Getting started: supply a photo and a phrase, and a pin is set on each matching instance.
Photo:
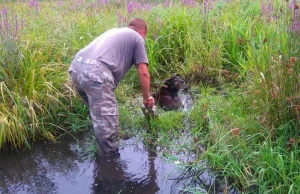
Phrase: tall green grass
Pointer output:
(242, 56)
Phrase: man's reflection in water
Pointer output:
(110, 176)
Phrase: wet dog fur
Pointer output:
(167, 97)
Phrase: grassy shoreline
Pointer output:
(241, 56)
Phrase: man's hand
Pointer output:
(149, 102)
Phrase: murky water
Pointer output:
(61, 168)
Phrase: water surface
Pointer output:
(64, 167)
(61, 168)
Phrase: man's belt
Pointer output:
(86, 61)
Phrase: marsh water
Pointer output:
(62, 167)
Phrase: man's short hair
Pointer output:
(138, 24)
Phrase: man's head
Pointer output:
(139, 25)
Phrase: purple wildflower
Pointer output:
(31, 3)
(4, 11)
(167, 3)
(35, 4)
(296, 21)
(137, 6)
(9, 25)
(188, 2)
(207, 5)
(211, 5)
(292, 4)
(147, 7)
(130, 7)
(37, 7)
(60, 3)
(267, 10)
(205, 9)
(5, 20)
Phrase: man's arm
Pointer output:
(144, 76)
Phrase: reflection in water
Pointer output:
(111, 175)
(34, 171)
(60, 168)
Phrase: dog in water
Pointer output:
(167, 96)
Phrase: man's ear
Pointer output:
(142, 33)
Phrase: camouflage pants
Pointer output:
(95, 84)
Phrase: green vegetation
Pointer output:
(241, 56)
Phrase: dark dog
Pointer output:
(167, 96)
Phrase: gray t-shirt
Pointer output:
(119, 48)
